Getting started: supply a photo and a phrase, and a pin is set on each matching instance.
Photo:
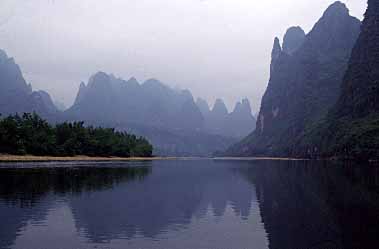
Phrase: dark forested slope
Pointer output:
(351, 128)
(305, 82)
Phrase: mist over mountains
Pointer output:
(16, 96)
(170, 118)
(321, 99)
(219, 121)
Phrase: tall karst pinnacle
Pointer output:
(293, 39)
(351, 128)
(305, 82)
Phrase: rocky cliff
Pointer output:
(304, 83)
(351, 128)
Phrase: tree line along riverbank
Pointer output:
(29, 134)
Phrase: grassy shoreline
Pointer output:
(31, 158)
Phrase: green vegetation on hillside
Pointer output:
(30, 134)
(341, 138)
(351, 128)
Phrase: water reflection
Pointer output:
(171, 196)
(191, 204)
(317, 204)
(24, 186)
(28, 194)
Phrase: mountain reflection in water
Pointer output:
(190, 204)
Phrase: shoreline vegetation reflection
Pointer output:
(171, 204)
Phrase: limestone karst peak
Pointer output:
(219, 108)
(275, 54)
(293, 39)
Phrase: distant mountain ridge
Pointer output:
(304, 83)
(16, 96)
(109, 99)
(238, 123)
(170, 119)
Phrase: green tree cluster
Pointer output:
(30, 134)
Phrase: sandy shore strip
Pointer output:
(30, 158)
(259, 159)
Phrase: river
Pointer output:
(210, 204)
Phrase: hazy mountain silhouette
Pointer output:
(16, 96)
(304, 82)
(169, 118)
(109, 99)
(237, 124)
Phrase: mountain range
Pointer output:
(305, 81)
(169, 118)
(322, 99)
(219, 121)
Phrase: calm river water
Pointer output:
(189, 204)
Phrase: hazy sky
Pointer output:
(215, 48)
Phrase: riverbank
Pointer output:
(30, 158)
(260, 159)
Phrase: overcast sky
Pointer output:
(215, 48)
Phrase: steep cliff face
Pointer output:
(16, 96)
(275, 54)
(352, 127)
(303, 84)
(360, 88)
